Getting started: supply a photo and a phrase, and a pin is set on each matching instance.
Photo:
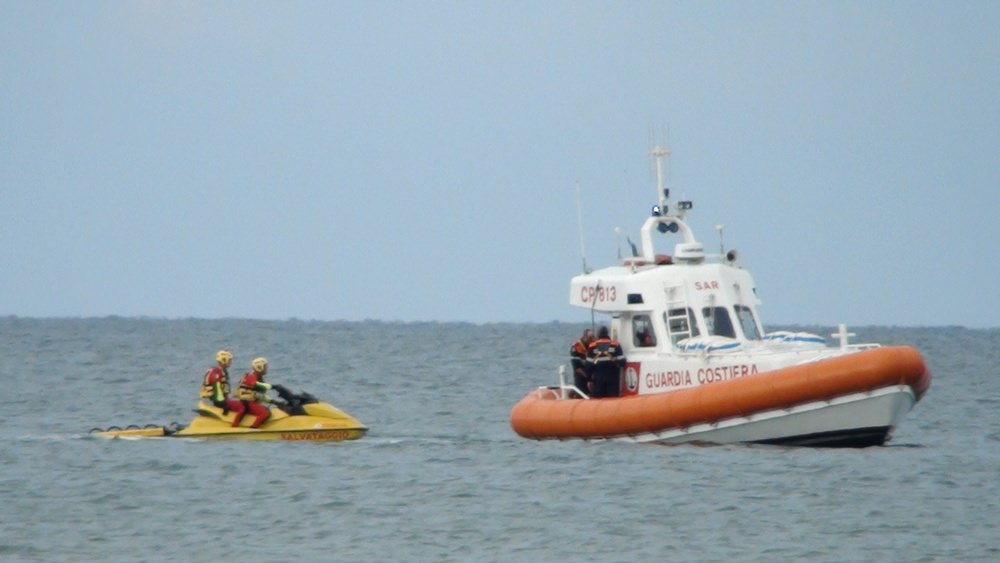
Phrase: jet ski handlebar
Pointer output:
(291, 398)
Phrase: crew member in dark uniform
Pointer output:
(605, 360)
(578, 359)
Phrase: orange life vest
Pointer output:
(252, 389)
(215, 375)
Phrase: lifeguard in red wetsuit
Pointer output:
(253, 392)
(215, 384)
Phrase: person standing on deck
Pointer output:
(605, 360)
(578, 359)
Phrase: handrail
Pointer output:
(560, 391)
(564, 389)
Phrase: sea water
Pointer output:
(441, 476)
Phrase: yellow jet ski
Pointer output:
(298, 416)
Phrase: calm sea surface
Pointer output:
(441, 476)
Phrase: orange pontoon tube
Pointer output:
(543, 414)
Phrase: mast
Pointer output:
(579, 227)
(661, 154)
(665, 220)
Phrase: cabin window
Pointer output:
(747, 322)
(681, 324)
(643, 335)
(717, 321)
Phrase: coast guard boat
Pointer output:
(701, 368)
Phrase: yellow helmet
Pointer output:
(259, 365)
(224, 357)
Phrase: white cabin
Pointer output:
(657, 301)
(688, 318)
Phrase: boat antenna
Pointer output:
(579, 226)
(593, 303)
(661, 153)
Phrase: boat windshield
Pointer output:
(747, 322)
(717, 321)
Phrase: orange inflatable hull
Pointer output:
(542, 414)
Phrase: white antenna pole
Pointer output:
(659, 153)
(579, 226)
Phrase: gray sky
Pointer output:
(419, 160)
